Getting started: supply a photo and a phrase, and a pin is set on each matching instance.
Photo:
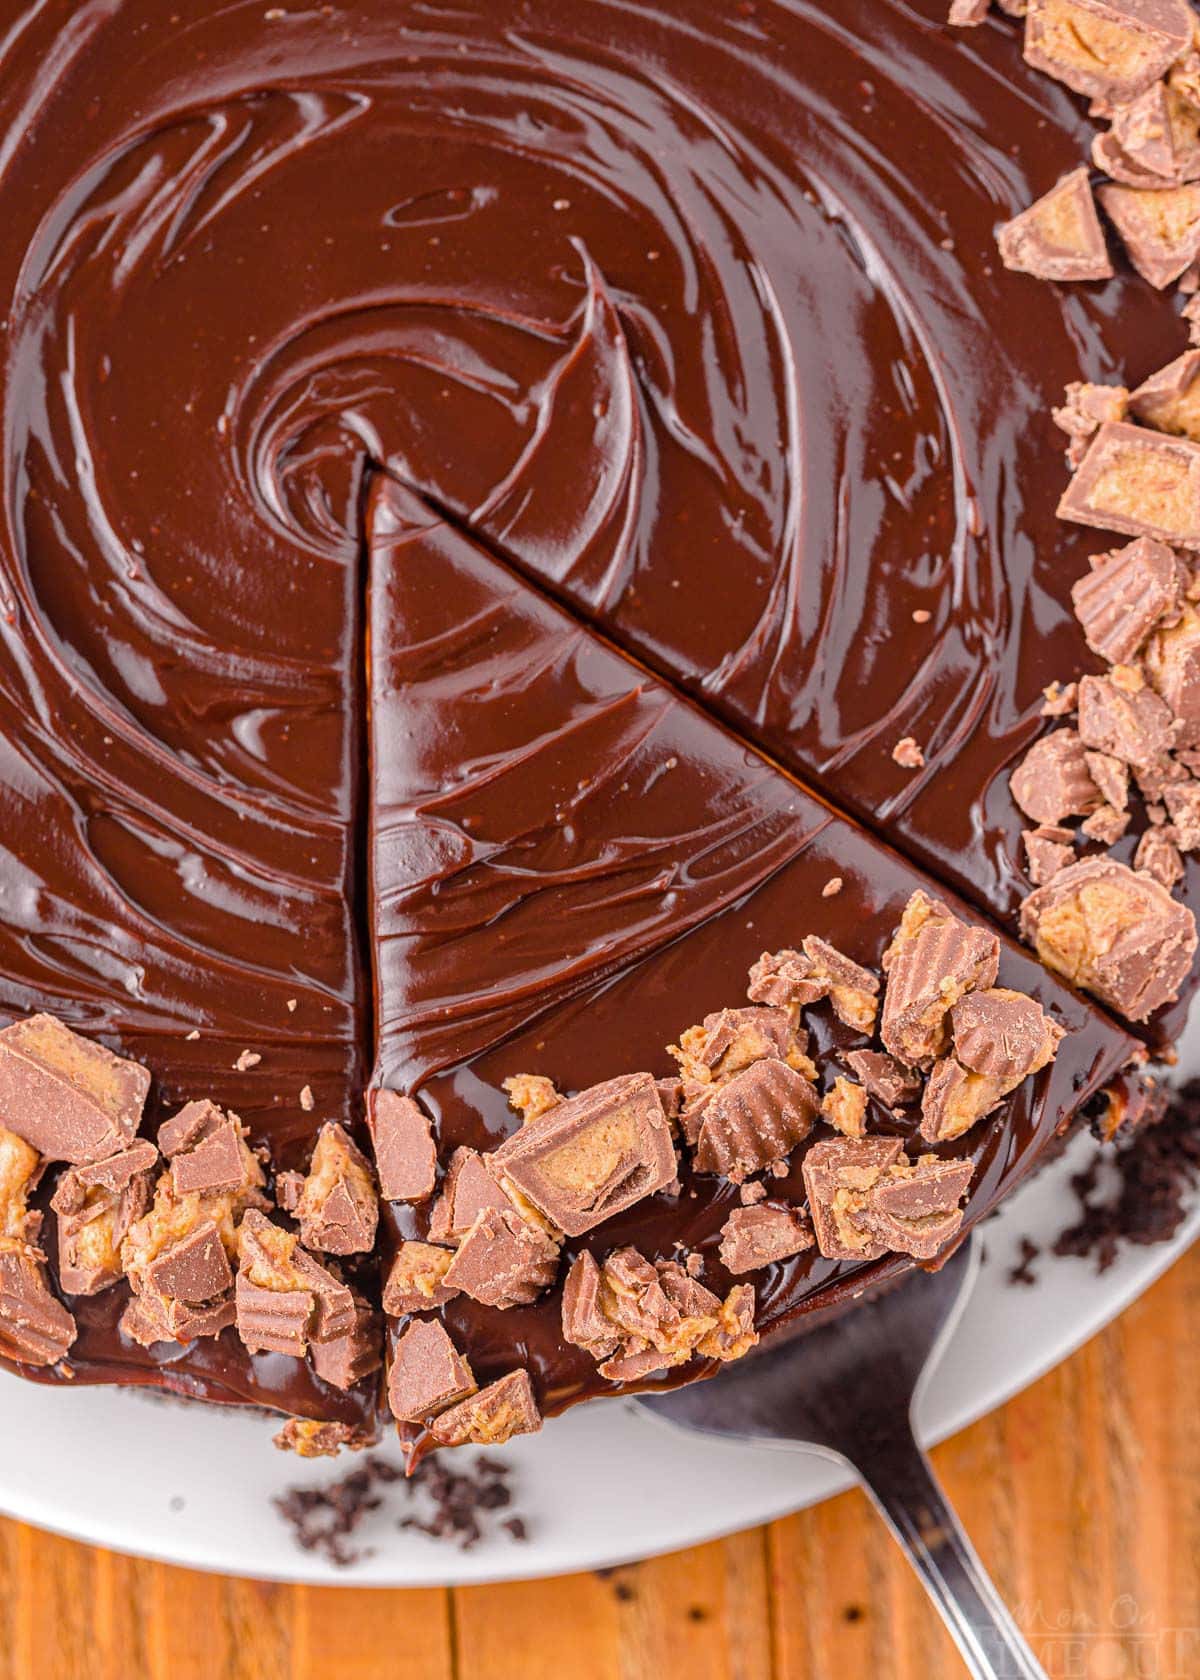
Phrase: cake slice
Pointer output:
(572, 866)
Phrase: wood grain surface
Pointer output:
(1083, 1496)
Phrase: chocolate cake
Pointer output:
(570, 799)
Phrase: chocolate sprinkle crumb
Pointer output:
(324, 1518)
(1023, 1272)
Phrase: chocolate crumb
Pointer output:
(455, 1504)
(908, 754)
(1154, 1169)
(1022, 1272)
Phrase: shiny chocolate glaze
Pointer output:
(686, 312)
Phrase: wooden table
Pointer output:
(1083, 1496)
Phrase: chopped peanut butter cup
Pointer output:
(1110, 49)
(73, 1100)
(1059, 237)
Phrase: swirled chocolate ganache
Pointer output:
(530, 559)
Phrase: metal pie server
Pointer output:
(847, 1389)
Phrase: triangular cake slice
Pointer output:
(572, 865)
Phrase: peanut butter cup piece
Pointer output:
(1053, 781)
(1111, 50)
(584, 1321)
(416, 1279)
(1106, 825)
(336, 1205)
(498, 1412)
(592, 1155)
(755, 1120)
(405, 1153)
(1159, 227)
(1003, 1034)
(837, 1175)
(639, 1316)
(1116, 933)
(503, 1261)
(1183, 803)
(918, 1213)
(284, 1298)
(71, 1099)
(1159, 856)
(311, 1438)
(469, 1188)
(1048, 849)
(1085, 410)
(1170, 399)
(150, 1318)
(1138, 482)
(427, 1373)
(885, 1079)
(352, 1356)
(1154, 140)
(753, 1237)
(933, 959)
(35, 1327)
(96, 1205)
(196, 1268)
(1172, 665)
(794, 979)
(1059, 236)
(1125, 595)
(207, 1149)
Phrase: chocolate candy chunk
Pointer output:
(1110, 49)
(1159, 227)
(405, 1154)
(1053, 781)
(336, 1205)
(1139, 482)
(837, 1175)
(1125, 595)
(593, 1155)
(755, 1120)
(415, 1279)
(35, 1327)
(1059, 237)
(348, 1358)
(427, 1373)
(584, 1321)
(1170, 399)
(196, 1268)
(1131, 723)
(885, 1079)
(96, 1205)
(1172, 665)
(1003, 1034)
(1106, 825)
(918, 1212)
(469, 1189)
(150, 1318)
(1183, 802)
(1158, 855)
(753, 1237)
(309, 1438)
(531, 1094)
(640, 1316)
(491, 1417)
(844, 1106)
(820, 970)
(71, 1099)
(1117, 934)
(1000, 1037)
(208, 1152)
(1047, 850)
(1111, 776)
(934, 957)
(503, 1261)
(1154, 140)
(284, 1298)
(1086, 409)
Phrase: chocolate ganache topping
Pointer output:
(486, 488)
